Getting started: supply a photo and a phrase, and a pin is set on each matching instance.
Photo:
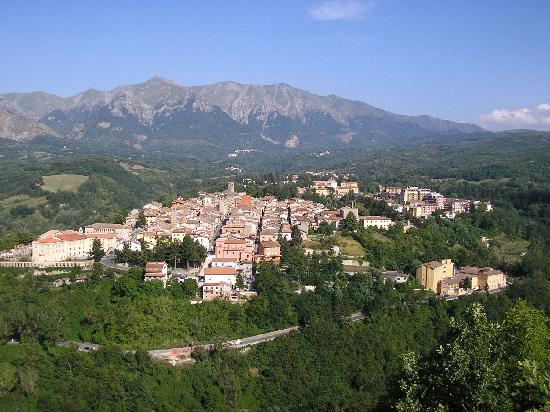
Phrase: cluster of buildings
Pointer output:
(423, 202)
(441, 277)
(332, 187)
(336, 218)
(235, 228)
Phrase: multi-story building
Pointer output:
(219, 290)
(220, 274)
(157, 271)
(240, 249)
(269, 235)
(345, 211)
(430, 274)
(60, 245)
(484, 278)
(412, 194)
(441, 278)
(460, 206)
(379, 222)
(345, 187)
(121, 231)
(269, 252)
(68, 245)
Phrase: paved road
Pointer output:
(108, 262)
(264, 337)
(183, 354)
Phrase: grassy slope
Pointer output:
(63, 182)
(350, 247)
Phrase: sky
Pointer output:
(486, 62)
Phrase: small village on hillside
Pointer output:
(235, 231)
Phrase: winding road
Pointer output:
(183, 355)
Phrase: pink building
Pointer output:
(238, 249)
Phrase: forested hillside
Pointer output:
(38, 194)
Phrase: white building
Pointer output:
(133, 244)
(121, 231)
(67, 245)
(380, 222)
(220, 274)
(224, 263)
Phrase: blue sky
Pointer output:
(487, 62)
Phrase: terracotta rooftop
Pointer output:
(154, 267)
(55, 236)
(107, 226)
(220, 271)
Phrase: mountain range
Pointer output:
(159, 114)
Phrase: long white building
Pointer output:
(65, 245)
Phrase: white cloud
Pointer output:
(339, 10)
(538, 117)
(520, 116)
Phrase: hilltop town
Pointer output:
(231, 231)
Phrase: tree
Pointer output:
(484, 365)
(190, 288)
(362, 289)
(410, 385)
(527, 351)
(75, 271)
(325, 228)
(21, 211)
(240, 282)
(141, 221)
(97, 252)
(8, 377)
(123, 256)
(467, 283)
(350, 223)
(296, 236)
(97, 272)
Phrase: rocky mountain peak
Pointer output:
(227, 113)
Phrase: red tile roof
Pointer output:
(220, 271)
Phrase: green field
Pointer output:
(510, 250)
(502, 180)
(132, 168)
(350, 247)
(63, 182)
(312, 244)
(17, 200)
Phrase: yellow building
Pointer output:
(484, 278)
(430, 274)
(322, 191)
(345, 187)
(411, 194)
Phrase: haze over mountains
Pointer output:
(160, 114)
